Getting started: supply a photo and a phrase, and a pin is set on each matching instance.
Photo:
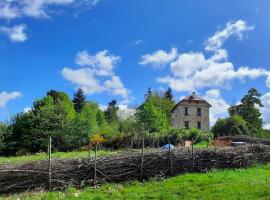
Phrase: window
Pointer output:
(186, 111)
(199, 112)
(199, 125)
(187, 124)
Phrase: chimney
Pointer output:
(193, 94)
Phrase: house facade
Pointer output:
(191, 112)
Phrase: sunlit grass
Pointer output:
(43, 156)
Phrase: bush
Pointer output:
(234, 125)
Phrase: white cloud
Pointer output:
(219, 105)
(15, 33)
(5, 97)
(83, 78)
(116, 87)
(96, 74)
(266, 110)
(125, 112)
(187, 63)
(27, 109)
(236, 28)
(194, 70)
(11, 9)
(102, 63)
(159, 58)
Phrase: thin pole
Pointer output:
(95, 173)
(192, 151)
(89, 149)
(141, 170)
(50, 162)
(171, 163)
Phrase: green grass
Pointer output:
(252, 183)
(43, 156)
(202, 144)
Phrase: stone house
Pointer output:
(191, 112)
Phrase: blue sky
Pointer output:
(116, 49)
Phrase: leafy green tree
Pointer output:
(248, 110)
(79, 100)
(3, 135)
(151, 118)
(101, 121)
(234, 125)
(164, 104)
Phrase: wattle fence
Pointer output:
(62, 173)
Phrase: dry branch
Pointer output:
(126, 167)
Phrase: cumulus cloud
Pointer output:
(159, 58)
(125, 112)
(102, 63)
(84, 78)
(194, 70)
(236, 28)
(219, 105)
(11, 9)
(116, 87)
(5, 97)
(266, 110)
(96, 74)
(15, 33)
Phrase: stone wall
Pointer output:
(179, 117)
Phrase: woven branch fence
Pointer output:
(126, 167)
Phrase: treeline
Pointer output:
(71, 123)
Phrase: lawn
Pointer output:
(43, 156)
(252, 183)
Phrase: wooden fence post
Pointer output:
(171, 161)
(50, 163)
(141, 170)
(95, 172)
(89, 149)
(192, 151)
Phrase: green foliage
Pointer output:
(54, 116)
(234, 125)
(150, 117)
(3, 136)
(248, 110)
(79, 100)
(111, 113)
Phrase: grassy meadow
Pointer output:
(56, 155)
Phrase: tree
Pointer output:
(79, 100)
(248, 110)
(164, 104)
(3, 135)
(151, 118)
(111, 113)
(234, 125)
(168, 94)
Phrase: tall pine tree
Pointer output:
(79, 100)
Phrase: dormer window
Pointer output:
(186, 111)
(199, 112)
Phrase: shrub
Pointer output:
(234, 125)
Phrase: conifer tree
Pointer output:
(79, 100)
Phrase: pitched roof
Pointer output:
(192, 98)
